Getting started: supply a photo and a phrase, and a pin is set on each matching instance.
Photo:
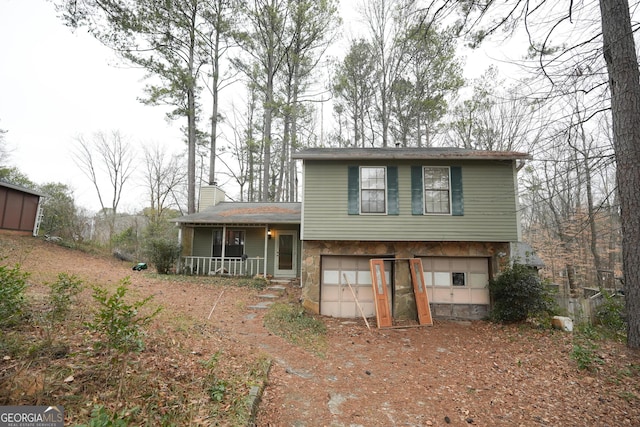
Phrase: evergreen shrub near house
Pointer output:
(160, 246)
(162, 253)
(517, 294)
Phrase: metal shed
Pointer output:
(20, 208)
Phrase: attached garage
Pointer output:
(336, 299)
(457, 286)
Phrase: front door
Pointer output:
(286, 253)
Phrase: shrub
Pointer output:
(162, 253)
(611, 313)
(120, 322)
(518, 293)
(62, 293)
(13, 283)
(102, 417)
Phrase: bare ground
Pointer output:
(454, 373)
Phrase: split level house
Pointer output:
(454, 209)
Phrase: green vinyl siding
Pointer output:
(487, 188)
(202, 242)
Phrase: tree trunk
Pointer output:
(624, 83)
(191, 121)
(215, 59)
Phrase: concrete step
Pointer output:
(268, 296)
(277, 288)
(261, 305)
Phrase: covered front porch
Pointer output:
(241, 239)
(240, 250)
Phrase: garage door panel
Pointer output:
(459, 264)
(364, 278)
(331, 277)
(365, 293)
(479, 296)
(442, 278)
(337, 300)
(478, 280)
(478, 265)
(441, 295)
(368, 309)
(440, 287)
(331, 293)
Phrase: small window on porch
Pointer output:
(234, 243)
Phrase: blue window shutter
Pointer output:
(417, 191)
(457, 202)
(392, 190)
(354, 190)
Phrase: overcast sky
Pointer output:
(56, 85)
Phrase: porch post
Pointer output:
(266, 242)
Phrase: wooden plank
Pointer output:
(420, 292)
(380, 293)
(356, 299)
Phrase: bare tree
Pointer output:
(610, 38)
(107, 160)
(165, 178)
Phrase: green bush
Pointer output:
(162, 253)
(611, 313)
(102, 417)
(62, 293)
(13, 283)
(119, 321)
(517, 294)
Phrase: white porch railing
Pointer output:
(219, 266)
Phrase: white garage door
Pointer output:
(457, 280)
(336, 299)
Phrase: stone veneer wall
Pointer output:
(404, 303)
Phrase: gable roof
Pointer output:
(245, 213)
(21, 189)
(406, 154)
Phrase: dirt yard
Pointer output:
(454, 373)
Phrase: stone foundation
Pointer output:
(404, 302)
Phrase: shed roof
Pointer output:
(245, 213)
(401, 153)
(21, 189)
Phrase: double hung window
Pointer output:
(373, 190)
(437, 190)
